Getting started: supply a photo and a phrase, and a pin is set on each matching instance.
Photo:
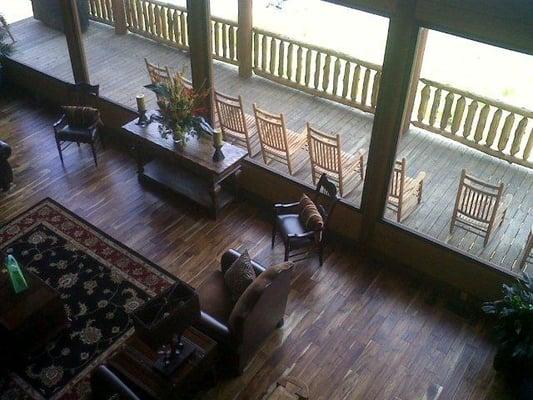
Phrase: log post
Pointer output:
(119, 14)
(400, 52)
(71, 22)
(244, 43)
(200, 50)
(415, 77)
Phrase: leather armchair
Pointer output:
(105, 384)
(241, 329)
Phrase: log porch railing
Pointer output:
(493, 127)
(485, 124)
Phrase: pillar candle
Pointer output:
(218, 138)
(141, 107)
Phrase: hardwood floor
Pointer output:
(354, 329)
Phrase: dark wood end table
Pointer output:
(187, 170)
(30, 319)
(134, 362)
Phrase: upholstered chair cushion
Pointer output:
(309, 214)
(215, 297)
(81, 117)
(251, 295)
(239, 276)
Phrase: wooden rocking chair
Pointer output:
(158, 74)
(234, 123)
(277, 143)
(479, 208)
(527, 256)
(5, 26)
(327, 157)
(405, 193)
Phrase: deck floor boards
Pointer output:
(116, 62)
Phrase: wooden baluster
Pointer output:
(157, 20)
(375, 89)
(104, 9)
(177, 29)
(290, 61)
(216, 34)
(165, 12)
(308, 60)
(256, 49)
(336, 73)
(264, 45)
(472, 109)
(447, 113)
(273, 53)
(299, 64)
(109, 11)
(366, 83)
(232, 43)
(326, 73)
(183, 29)
(346, 79)
(281, 59)
(506, 132)
(481, 123)
(224, 41)
(355, 82)
(170, 25)
(91, 7)
(518, 136)
(493, 129)
(435, 107)
(318, 69)
(424, 99)
(133, 14)
(140, 14)
(146, 20)
(458, 114)
(529, 146)
(98, 9)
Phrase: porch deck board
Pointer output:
(116, 62)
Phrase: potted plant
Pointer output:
(180, 110)
(514, 330)
(5, 48)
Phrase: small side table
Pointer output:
(133, 363)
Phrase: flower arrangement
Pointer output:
(180, 108)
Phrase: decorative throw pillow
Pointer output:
(239, 276)
(81, 117)
(309, 214)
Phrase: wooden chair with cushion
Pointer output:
(79, 123)
(527, 255)
(327, 157)
(236, 126)
(240, 328)
(479, 207)
(277, 143)
(405, 193)
(298, 232)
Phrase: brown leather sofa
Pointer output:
(241, 328)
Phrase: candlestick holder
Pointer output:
(143, 119)
(218, 155)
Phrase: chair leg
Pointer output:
(273, 235)
(60, 152)
(321, 255)
(94, 154)
(287, 250)
(280, 323)
(420, 187)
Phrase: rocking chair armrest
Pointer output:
(301, 235)
(421, 176)
(60, 123)
(285, 206)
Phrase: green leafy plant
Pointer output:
(180, 108)
(5, 48)
(514, 329)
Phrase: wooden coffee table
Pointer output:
(133, 363)
(28, 320)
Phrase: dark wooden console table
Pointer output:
(188, 170)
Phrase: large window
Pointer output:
(463, 173)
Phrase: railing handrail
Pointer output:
(484, 99)
(320, 49)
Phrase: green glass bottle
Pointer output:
(15, 274)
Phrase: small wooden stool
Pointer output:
(289, 388)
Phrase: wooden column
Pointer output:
(198, 20)
(398, 63)
(245, 38)
(415, 76)
(119, 14)
(71, 22)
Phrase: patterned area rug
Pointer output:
(100, 282)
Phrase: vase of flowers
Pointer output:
(180, 109)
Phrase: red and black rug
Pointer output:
(100, 282)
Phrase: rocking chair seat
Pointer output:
(76, 134)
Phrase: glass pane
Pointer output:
(464, 166)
